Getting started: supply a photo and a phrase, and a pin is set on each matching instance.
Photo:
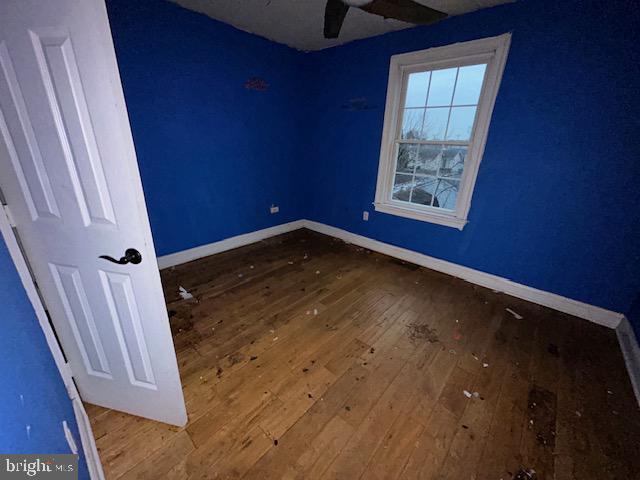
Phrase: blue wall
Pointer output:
(556, 200)
(213, 154)
(32, 392)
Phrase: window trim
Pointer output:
(493, 51)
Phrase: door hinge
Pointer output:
(67, 370)
(69, 382)
(7, 212)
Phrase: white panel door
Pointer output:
(69, 174)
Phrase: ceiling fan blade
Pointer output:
(334, 14)
(404, 10)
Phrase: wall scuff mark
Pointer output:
(256, 83)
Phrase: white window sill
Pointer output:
(419, 214)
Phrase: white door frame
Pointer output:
(84, 426)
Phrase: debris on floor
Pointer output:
(236, 358)
(467, 393)
(180, 322)
(525, 474)
(485, 365)
(184, 293)
(423, 332)
(516, 315)
(542, 404)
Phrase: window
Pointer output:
(439, 103)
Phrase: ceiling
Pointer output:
(299, 23)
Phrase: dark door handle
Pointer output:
(131, 255)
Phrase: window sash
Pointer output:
(444, 143)
(403, 99)
(453, 143)
(415, 174)
(490, 51)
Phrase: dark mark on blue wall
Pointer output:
(357, 104)
(256, 83)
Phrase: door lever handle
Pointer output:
(131, 255)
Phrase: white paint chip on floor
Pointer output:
(515, 314)
(184, 293)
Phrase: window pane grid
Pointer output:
(451, 113)
(435, 134)
(452, 143)
(428, 175)
(455, 83)
(443, 106)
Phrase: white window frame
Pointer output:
(492, 51)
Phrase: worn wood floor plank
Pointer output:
(302, 357)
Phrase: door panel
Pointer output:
(126, 320)
(78, 311)
(69, 173)
(15, 124)
(58, 68)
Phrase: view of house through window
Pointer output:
(438, 117)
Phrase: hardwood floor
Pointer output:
(304, 357)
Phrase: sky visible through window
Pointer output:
(437, 123)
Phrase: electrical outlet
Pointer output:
(365, 216)
(274, 209)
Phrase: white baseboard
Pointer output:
(631, 352)
(592, 313)
(595, 314)
(89, 448)
(185, 256)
